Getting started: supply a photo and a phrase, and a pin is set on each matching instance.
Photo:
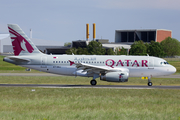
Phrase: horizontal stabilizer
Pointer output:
(16, 60)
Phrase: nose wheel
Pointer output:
(149, 81)
(93, 82)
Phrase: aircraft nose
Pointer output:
(172, 69)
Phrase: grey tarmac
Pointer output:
(49, 74)
(89, 86)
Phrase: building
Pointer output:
(79, 43)
(123, 38)
(146, 35)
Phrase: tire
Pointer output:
(149, 83)
(93, 82)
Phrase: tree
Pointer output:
(82, 51)
(123, 51)
(155, 49)
(138, 48)
(71, 51)
(117, 52)
(171, 46)
(95, 48)
(67, 44)
(110, 51)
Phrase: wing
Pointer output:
(92, 69)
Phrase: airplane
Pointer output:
(110, 68)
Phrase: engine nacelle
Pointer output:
(115, 77)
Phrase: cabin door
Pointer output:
(150, 63)
(43, 62)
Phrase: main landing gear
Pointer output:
(93, 82)
(149, 82)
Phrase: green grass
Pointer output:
(18, 103)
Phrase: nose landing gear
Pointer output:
(149, 81)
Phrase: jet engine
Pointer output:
(115, 77)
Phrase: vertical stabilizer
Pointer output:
(21, 44)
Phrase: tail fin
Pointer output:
(21, 44)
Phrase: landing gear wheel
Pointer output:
(149, 83)
(93, 82)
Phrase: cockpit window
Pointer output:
(164, 63)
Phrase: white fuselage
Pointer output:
(137, 66)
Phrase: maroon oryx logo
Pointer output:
(19, 43)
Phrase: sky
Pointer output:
(60, 21)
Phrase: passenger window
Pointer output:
(53, 61)
(64, 61)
